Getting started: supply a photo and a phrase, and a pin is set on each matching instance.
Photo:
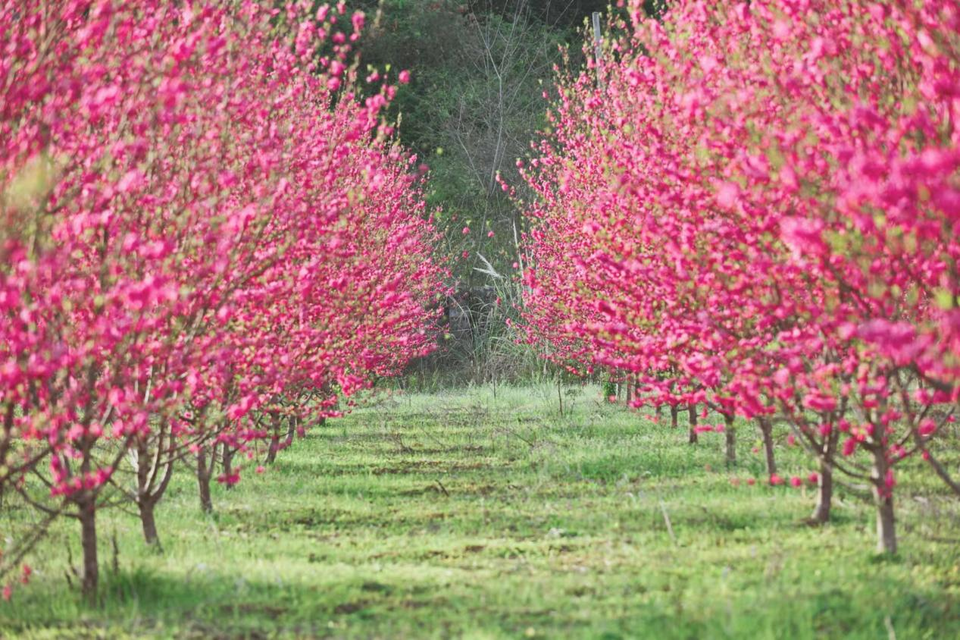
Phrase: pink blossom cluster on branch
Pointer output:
(204, 230)
(755, 206)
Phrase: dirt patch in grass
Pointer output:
(351, 607)
(254, 608)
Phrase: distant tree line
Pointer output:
(479, 70)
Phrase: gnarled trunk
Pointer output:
(228, 452)
(886, 526)
(149, 522)
(149, 491)
(204, 472)
(297, 429)
(274, 438)
(821, 513)
(692, 412)
(674, 416)
(274, 448)
(766, 433)
(730, 436)
(883, 499)
(88, 543)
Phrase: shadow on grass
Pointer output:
(143, 603)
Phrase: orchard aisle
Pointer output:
(461, 513)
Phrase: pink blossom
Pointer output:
(358, 20)
(849, 446)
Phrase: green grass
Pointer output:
(467, 515)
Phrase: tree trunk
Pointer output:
(766, 432)
(203, 481)
(274, 448)
(559, 396)
(886, 526)
(149, 522)
(88, 542)
(692, 412)
(145, 502)
(674, 414)
(821, 513)
(274, 438)
(228, 463)
(883, 498)
(730, 435)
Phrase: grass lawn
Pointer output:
(484, 515)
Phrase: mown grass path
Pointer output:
(482, 515)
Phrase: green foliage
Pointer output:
(474, 104)
(484, 513)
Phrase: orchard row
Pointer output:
(207, 236)
(753, 209)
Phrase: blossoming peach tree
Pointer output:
(202, 227)
(755, 205)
